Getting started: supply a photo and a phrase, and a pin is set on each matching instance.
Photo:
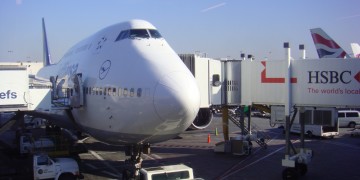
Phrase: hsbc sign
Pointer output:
(314, 82)
(332, 77)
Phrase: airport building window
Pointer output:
(114, 91)
(100, 91)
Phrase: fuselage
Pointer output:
(136, 89)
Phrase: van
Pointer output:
(348, 118)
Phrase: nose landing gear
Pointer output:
(133, 164)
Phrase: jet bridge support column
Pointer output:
(242, 120)
(297, 163)
(249, 119)
(225, 122)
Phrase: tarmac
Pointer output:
(334, 158)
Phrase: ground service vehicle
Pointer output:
(318, 121)
(27, 144)
(45, 167)
(348, 118)
(179, 171)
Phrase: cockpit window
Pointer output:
(123, 35)
(154, 33)
(138, 33)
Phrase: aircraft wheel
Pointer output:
(289, 174)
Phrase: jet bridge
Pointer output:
(295, 84)
(17, 93)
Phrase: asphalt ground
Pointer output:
(336, 158)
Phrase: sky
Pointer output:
(219, 28)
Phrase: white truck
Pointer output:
(28, 145)
(179, 171)
(45, 167)
(322, 122)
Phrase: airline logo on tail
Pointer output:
(355, 49)
(326, 47)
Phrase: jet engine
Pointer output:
(202, 120)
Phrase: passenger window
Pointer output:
(114, 91)
(132, 92)
(109, 92)
(42, 160)
(120, 91)
(352, 114)
(139, 91)
(125, 92)
(341, 115)
(100, 91)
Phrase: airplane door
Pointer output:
(76, 91)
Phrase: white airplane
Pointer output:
(126, 86)
(326, 47)
(355, 49)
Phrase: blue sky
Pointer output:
(220, 28)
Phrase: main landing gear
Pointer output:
(133, 164)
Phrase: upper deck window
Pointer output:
(138, 33)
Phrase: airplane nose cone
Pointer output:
(177, 98)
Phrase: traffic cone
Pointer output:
(216, 132)
(209, 138)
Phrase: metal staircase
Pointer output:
(262, 137)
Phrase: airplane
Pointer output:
(326, 47)
(125, 86)
(355, 49)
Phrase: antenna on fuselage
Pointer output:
(46, 52)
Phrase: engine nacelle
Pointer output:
(203, 119)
